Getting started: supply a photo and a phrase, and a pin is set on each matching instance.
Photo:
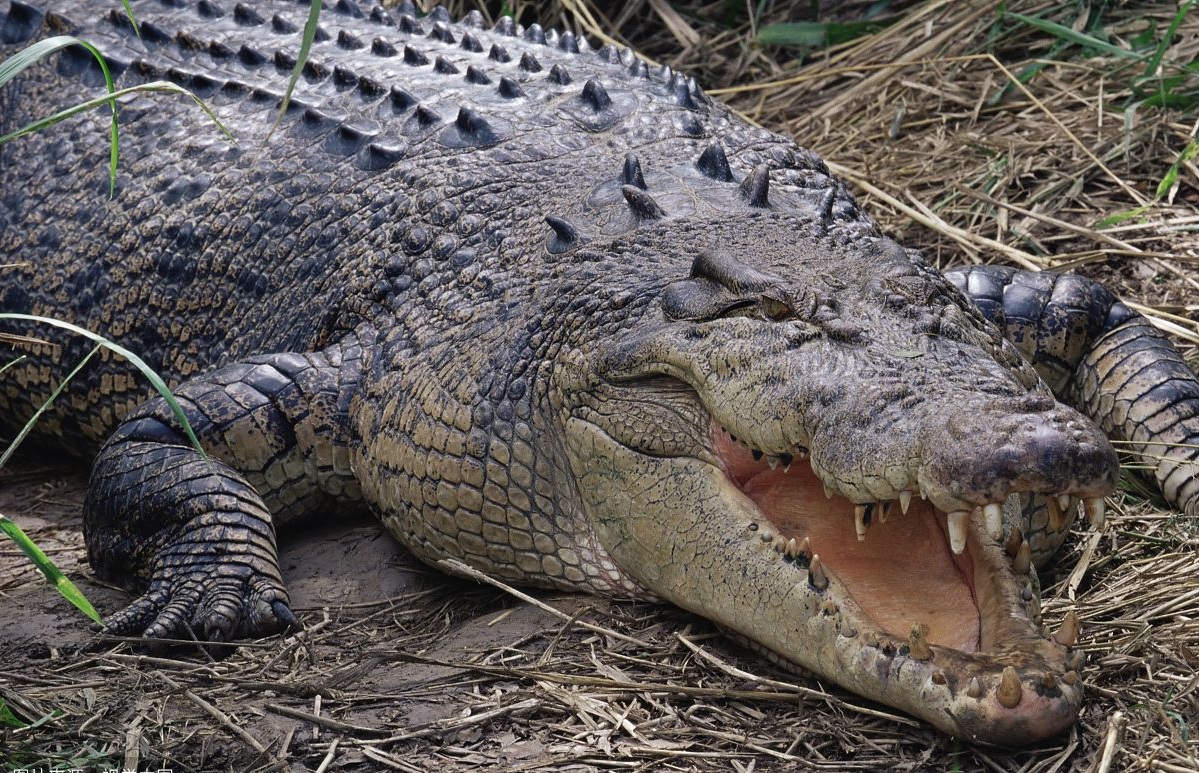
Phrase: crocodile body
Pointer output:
(553, 313)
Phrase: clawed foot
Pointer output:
(219, 603)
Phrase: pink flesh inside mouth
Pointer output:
(903, 573)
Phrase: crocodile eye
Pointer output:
(774, 307)
(738, 308)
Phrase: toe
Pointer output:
(283, 614)
(133, 619)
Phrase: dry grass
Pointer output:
(951, 155)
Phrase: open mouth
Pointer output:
(894, 558)
(952, 591)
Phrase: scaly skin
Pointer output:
(557, 315)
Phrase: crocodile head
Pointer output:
(812, 444)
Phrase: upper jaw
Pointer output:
(966, 456)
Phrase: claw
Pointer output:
(196, 606)
(284, 615)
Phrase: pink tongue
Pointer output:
(902, 574)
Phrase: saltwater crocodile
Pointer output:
(554, 313)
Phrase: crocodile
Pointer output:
(556, 315)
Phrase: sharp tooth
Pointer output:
(918, 648)
(1063, 501)
(757, 455)
(816, 575)
(1095, 511)
(792, 548)
(773, 461)
(805, 547)
(975, 690)
(859, 521)
(1067, 635)
(884, 511)
(905, 501)
(779, 544)
(959, 522)
(1023, 560)
(1057, 520)
(993, 514)
(1048, 680)
(1009, 692)
(1014, 538)
(786, 459)
(828, 492)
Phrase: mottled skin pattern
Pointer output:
(555, 314)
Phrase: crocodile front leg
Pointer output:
(196, 536)
(1105, 360)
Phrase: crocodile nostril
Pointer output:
(990, 454)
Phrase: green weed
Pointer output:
(9, 69)
(1151, 79)
(309, 34)
(8, 718)
(34, 53)
(814, 35)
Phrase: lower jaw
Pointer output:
(1010, 687)
(1014, 688)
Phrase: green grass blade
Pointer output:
(11, 363)
(1120, 217)
(47, 567)
(1156, 60)
(9, 68)
(7, 718)
(1029, 72)
(29, 425)
(52, 714)
(137, 362)
(129, 12)
(42, 123)
(34, 53)
(811, 34)
(314, 15)
(43, 48)
(1188, 154)
(1080, 38)
(804, 34)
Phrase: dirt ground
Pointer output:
(401, 668)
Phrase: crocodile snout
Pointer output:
(984, 455)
